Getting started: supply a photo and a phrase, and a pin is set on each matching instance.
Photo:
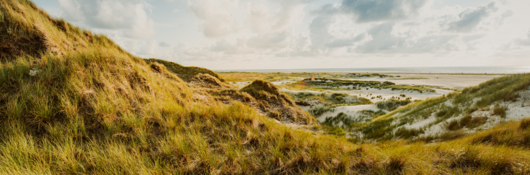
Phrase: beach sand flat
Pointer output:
(455, 81)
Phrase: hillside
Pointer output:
(474, 109)
(185, 73)
(73, 102)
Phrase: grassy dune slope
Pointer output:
(487, 99)
(81, 105)
(185, 73)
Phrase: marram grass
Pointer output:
(92, 108)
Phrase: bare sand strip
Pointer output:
(441, 80)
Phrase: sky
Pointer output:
(291, 34)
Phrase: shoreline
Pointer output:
(479, 70)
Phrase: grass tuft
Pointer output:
(525, 124)
(500, 110)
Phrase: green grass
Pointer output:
(327, 84)
(420, 89)
(99, 110)
(328, 100)
(319, 111)
(279, 76)
(185, 73)
(493, 92)
(393, 104)
(278, 105)
(500, 110)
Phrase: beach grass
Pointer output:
(491, 93)
(82, 105)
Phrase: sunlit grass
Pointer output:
(96, 109)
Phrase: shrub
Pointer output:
(500, 110)
(466, 159)
(452, 135)
(391, 105)
(333, 130)
(472, 109)
(396, 165)
(453, 125)
(405, 133)
(476, 122)
(464, 121)
(525, 124)
(318, 111)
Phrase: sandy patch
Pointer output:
(352, 111)
(387, 94)
(421, 123)
(441, 80)
(516, 111)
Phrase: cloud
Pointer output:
(129, 16)
(343, 42)
(330, 32)
(227, 47)
(471, 18)
(72, 9)
(524, 41)
(382, 10)
(270, 40)
(260, 20)
(384, 41)
(215, 14)
(163, 44)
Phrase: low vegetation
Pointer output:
(82, 105)
(325, 99)
(325, 83)
(185, 73)
(463, 104)
(347, 122)
(392, 104)
(318, 111)
(234, 76)
(277, 104)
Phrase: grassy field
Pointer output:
(72, 102)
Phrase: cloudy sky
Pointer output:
(286, 34)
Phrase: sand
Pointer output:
(442, 80)
(349, 110)
(516, 111)
(452, 81)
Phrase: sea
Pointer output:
(466, 70)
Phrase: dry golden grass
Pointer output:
(92, 108)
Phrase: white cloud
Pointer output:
(163, 44)
(129, 16)
(524, 41)
(471, 18)
(267, 32)
(260, 19)
(218, 21)
(72, 9)
(227, 47)
(382, 10)
(275, 40)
